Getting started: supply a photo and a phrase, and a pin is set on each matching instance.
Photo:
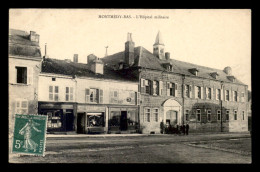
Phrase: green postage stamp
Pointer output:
(29, 134)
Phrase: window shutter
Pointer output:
(17, 106)
(190, 91)
(87, 98)
(137, 98)
(142, 82)
(100, 96)
(176, 90)
(207, 92)
(183, 90)
(168, 88)
(233, 95)
(211, 92)
(30, 76)
(222, 97)
(160, 87)
(237, 96)
(196, 92)
(202, 92)
(230, 97)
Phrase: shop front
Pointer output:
(91, 119)
(60, 116)
(123, 120)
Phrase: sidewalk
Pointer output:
(142, 135)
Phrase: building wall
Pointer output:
(22, 91)
(45, 80)
(191, 104)
(106, 86)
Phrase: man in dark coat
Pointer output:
(183, 129)
(187, 129)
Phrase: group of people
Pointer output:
(183, 129)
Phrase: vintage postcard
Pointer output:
(129, 85)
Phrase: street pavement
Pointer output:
(135, 148)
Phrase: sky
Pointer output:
(214, 38)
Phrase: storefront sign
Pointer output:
(91, 108)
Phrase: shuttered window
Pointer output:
(21, 106)
(69, 94)
(218, 115)
(54, 93)
(94, 95)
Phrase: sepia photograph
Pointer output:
(129, 86)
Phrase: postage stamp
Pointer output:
(29, 134)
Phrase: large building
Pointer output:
(175, 92)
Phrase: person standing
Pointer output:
(187, 129)
(183, 129)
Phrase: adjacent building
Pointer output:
(87, 98)
(24, 68)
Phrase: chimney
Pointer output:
(34, 37)
(97, 66)
(167, 56)
(129, 50)
(45, 54)
(75, 58)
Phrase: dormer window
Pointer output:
(168, 66)
(194, 71)
(214, 75)
(231, 78)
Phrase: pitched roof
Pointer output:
(20, 44)
(145, 59)
(70, 68)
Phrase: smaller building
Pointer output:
(87, 98)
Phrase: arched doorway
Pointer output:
(172, 112)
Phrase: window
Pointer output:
(147, 86)
(209, 115)
(242, 97)
(208, 93)
(171, 89)
(93, 95)
(235, 96)
(187, 115)
(219, 115)
(243, 115)
(187, 90)
(21, 107)
(155, 87)
(21, 75)
(54, 93)
(198, 114)
(198, 92)
(227, 115)
(69, 93)
(235, 115)
(227, 95)
(53, 79)
(95, 120)
(155, 114)
(147, 115)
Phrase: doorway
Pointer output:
(81, 123)
(123, 121)
(69, 121)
